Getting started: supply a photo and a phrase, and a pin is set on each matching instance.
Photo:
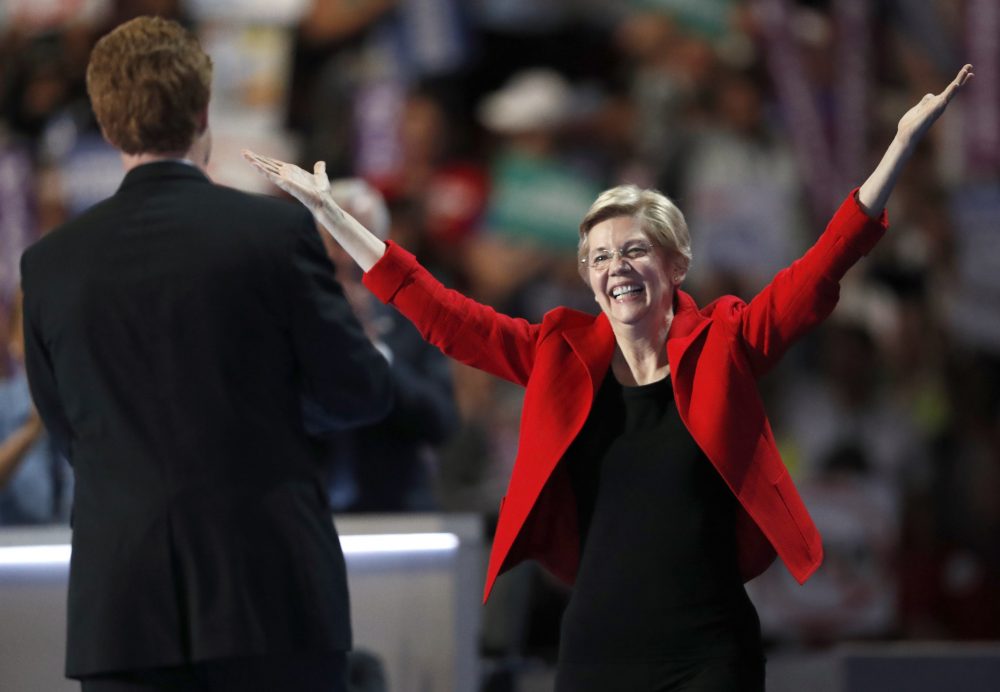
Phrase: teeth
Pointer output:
(619, 291)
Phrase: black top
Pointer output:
(173, 333)
(658, 577)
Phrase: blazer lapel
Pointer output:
(593, 344)
(688, 324)
(572, 384)
(561, 395)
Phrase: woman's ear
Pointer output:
(679, 270)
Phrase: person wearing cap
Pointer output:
(647, 475)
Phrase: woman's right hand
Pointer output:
(313, 190)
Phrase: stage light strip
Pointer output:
(374, 544)
(399, 543)
(34, 555)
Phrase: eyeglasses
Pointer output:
(600, 260)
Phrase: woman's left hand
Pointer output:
(875, 191)
(916, 121)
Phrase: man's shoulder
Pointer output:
(256, 203)
(60, 239)
(189, 193)
(257, 219)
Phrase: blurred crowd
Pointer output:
(489, 126)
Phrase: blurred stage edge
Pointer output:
(415, 583)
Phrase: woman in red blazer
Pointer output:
(647, 474)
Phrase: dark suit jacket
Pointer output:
(389, 462)
(173, 332)
(716, 355)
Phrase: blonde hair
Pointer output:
(660, 219)
(149, 83)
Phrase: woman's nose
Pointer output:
(619, 264)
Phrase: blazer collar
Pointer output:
(688, 323)
(687, 317)
(594, 343)
(167, 169)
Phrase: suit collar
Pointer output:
(167, 169)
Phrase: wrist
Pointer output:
(328, 213)
(903, 145)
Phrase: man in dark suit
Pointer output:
(180, 335)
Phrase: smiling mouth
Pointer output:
(621, 292)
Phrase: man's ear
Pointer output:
(104, 136)
(203, 120)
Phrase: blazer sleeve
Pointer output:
(38, 365)
(470, 332)
(805, 293)
(345, 381)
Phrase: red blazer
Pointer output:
(716, 355)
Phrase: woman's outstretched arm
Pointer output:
(915, 122)
(463, 329)
(804, 294)
(313, 190)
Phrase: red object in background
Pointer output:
(455, 201)
(453, 196)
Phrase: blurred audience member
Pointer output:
(846, 405)
(36, 484)
(389, 466)
(668, 72)
(536, 199)
(742, 190)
